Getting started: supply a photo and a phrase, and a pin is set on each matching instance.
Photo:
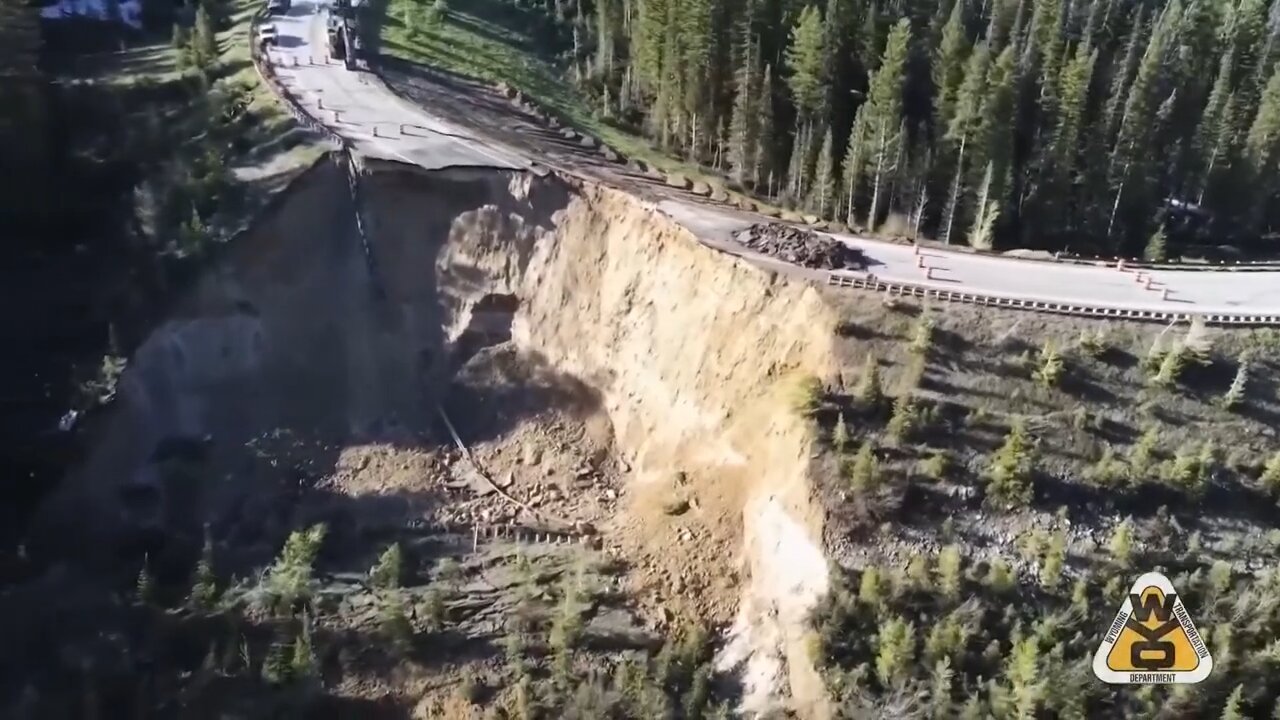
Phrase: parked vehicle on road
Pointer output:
(268, 35)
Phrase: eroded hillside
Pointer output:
(629, 460)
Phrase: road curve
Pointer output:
(360, 108)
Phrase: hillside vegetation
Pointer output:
(998, 480)
(1135, 128)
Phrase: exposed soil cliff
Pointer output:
(351, 331)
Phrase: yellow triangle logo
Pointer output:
(1152, 639)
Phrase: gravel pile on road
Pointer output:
(800, 246)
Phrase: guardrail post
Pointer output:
(335, 116)
(320, 103)
(1164, 295)
(375, 131)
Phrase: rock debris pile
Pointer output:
(801, 247)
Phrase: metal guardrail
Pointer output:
(1078, 309)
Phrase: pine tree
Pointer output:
(303, 664)
(206, 39)
(1157, 245)
(870, 589)
(868, 393)
(941, 706)
(387, 573)
(744, 127)
(1073, 92)
(822, 194)
(1215, 138)
(763, 168)
(895, 651)
(1130, 172)
(1270, 477)
(903, 421)
(882, 116)
(204, 588)
(1051, 367)
(864, 471)
(806, 59)
(1232, 710)
(1011, 467)
(1262, 145)
(145, 587)
(394, 620)
(840, 436)
(1121, 545)
(961, 130)
(695, 43)
(288, 580)
(981, 235)
(1026, 682)
(1054, 558)
(949, 65)
(949, 575)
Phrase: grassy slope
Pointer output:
(498, 47)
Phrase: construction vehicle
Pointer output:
(337, 38)
(344, 38)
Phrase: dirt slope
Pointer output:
(351, 331)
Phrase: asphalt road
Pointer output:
(357, 106)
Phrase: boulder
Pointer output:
(677, 180)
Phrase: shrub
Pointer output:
(806, 395)
(999, 577)
(1011, 469)
(935, 466)
(1108, 470)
